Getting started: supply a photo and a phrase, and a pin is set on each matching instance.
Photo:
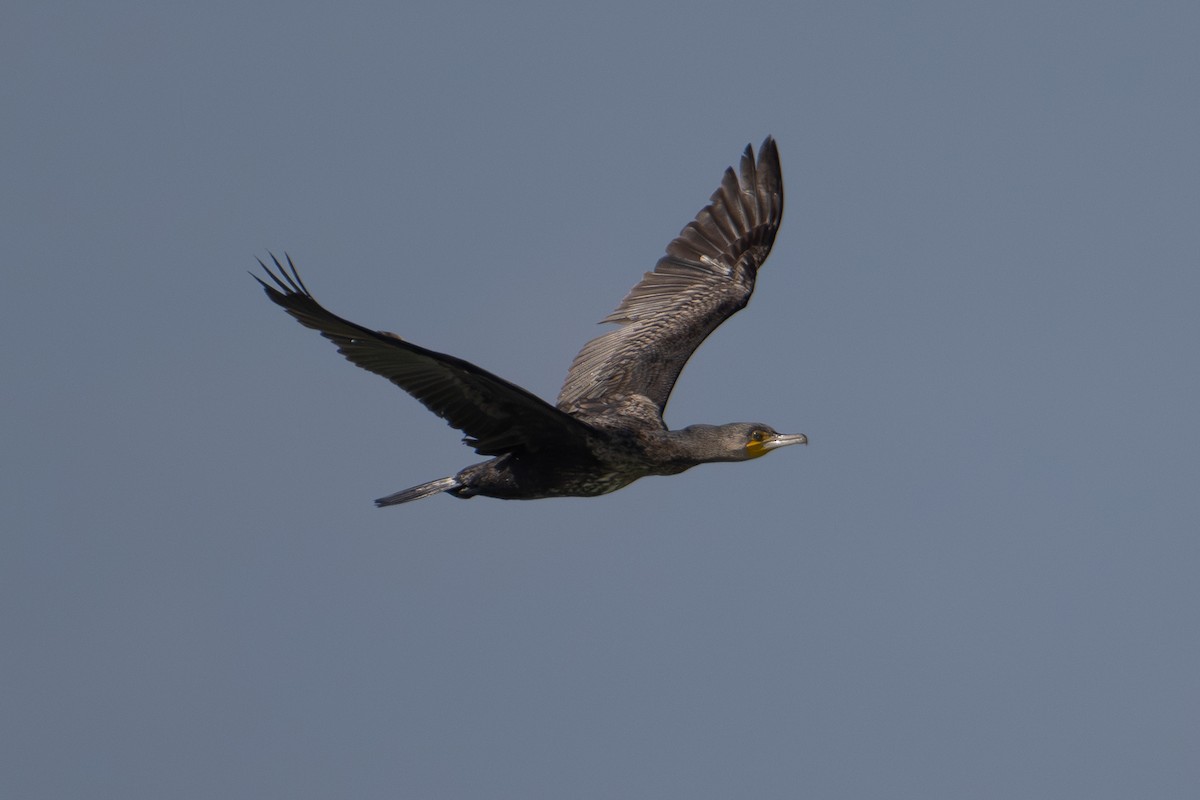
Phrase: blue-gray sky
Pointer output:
(979, 580)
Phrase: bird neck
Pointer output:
(697, 444)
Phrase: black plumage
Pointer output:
(607, 429)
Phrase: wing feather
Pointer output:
(497, 416)
(706, 276)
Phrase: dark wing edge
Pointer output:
(706, 276)
(496, 416)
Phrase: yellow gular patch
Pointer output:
(755, 449)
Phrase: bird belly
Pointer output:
(510, 478)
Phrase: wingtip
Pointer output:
(286, 278)
(260, 280)
(768, 144)
(768, 150)
(766, 166)
(770, 173)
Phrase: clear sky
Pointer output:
(978, 580)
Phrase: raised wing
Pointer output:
(706, 276)
(497, 416)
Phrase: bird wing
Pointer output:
(497, 416)
(706, 276)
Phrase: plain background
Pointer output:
(979, 580)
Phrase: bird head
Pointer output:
(738, 441)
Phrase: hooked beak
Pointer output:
(783, 440)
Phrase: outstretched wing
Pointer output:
(706, 276)
(497, 416)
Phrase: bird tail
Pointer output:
(417, 492)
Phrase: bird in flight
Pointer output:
(606, 429)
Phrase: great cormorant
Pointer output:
(606, 430)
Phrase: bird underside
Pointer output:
(508, 478)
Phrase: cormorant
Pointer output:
(606, 430)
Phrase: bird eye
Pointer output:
(757, 436)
